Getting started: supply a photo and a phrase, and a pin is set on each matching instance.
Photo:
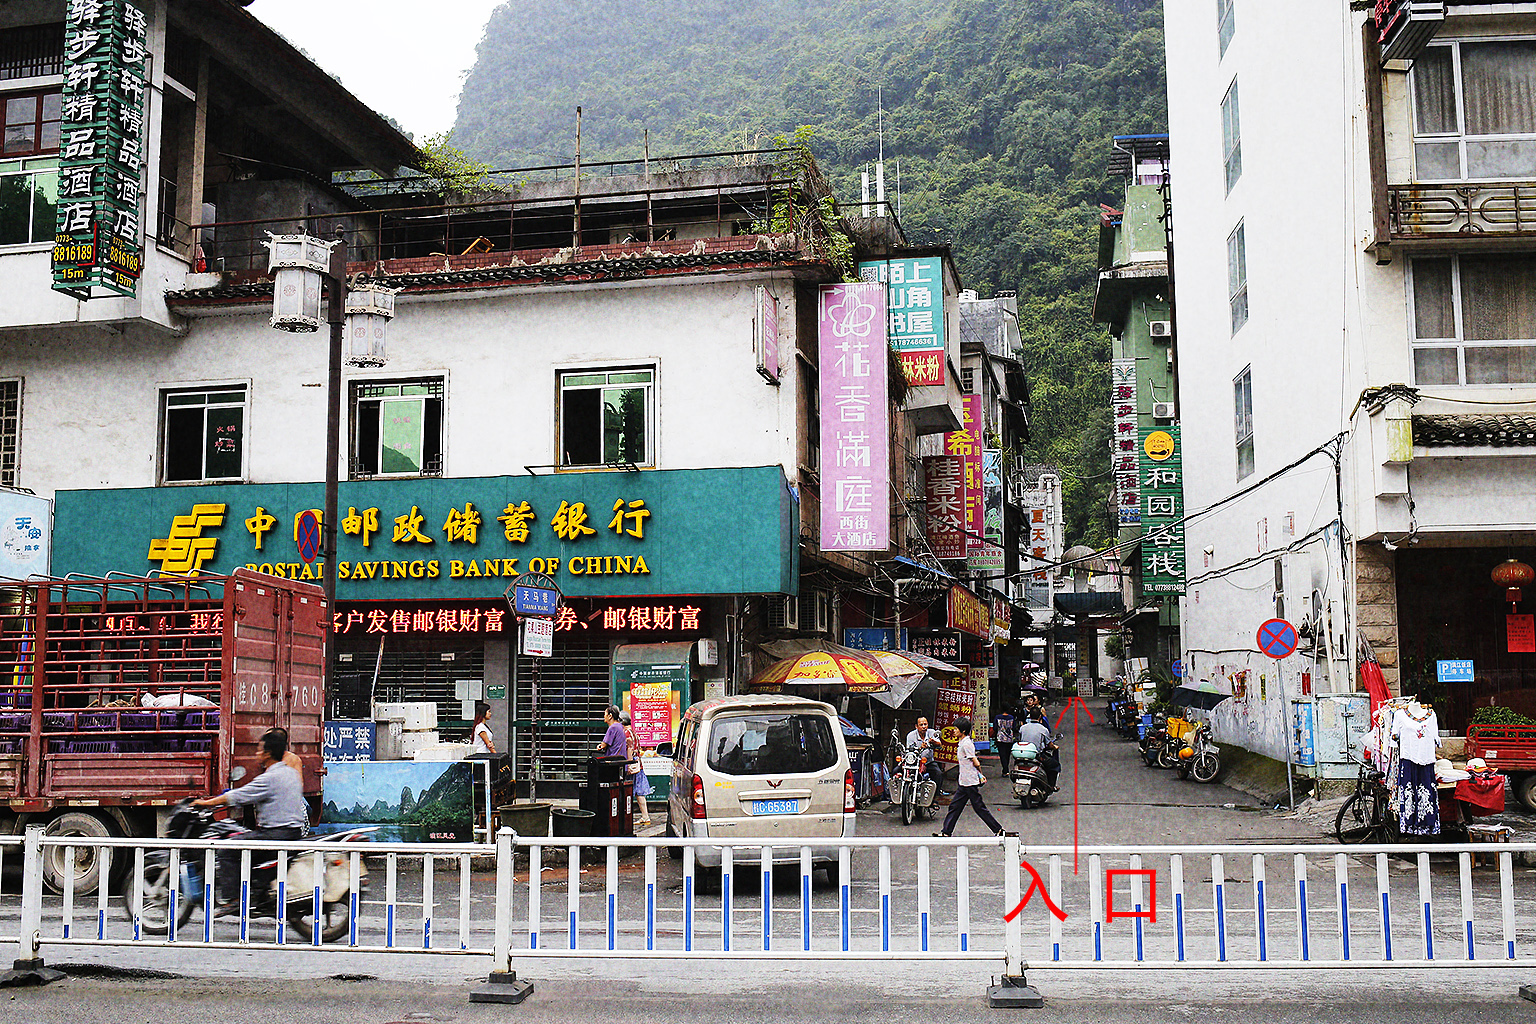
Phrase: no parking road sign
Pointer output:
(1277, 638)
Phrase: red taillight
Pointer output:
(848, 805)
(698, 798)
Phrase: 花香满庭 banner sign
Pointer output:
(855, 418)
(99, 239)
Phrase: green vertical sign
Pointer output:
(1162, 510)
(99, 238)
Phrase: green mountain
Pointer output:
(999, 114)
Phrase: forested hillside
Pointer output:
(1000, 113)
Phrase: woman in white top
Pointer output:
(481, 732)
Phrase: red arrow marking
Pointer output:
(1073, 705)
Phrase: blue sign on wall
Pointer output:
(348, 741)
(535, 601)
(1454, 671)
(875, 639)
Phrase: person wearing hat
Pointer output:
(483, 743)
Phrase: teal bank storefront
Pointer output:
(658, 558)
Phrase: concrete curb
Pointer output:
(1262, 778)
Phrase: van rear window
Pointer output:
(771, 744)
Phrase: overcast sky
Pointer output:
(404, 58)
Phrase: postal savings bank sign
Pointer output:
(622, 534)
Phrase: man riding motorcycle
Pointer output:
(277, 793)
(926, 740)
(1036, 732)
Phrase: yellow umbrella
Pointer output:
(896, 666)
(821, 668)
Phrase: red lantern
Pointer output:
(1512, 575)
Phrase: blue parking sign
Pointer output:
(1454, 671)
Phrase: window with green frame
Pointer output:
(397, 428)
(29, 195)
(606, 417)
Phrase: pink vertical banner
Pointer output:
(855, 418)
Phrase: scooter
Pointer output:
(1155, 741)
(912, 788)
(1030, 787)
(1199, 758)
(152, 909)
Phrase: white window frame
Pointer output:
(166, 391)
(33, 167)
(1231, 137)
(652, 407)
(1459, 341)
(1242, 420)
(10, 431)
(1226, 23)
(354, 397)
(1237, 276)
(1460, 136)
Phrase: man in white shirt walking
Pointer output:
(969, 790)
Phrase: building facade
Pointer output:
(1357, 375)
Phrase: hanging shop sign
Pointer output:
(952, 705)
(1162, 511)
(26, 523)
(915, 306)
(943, 644)
(99, 241)
(875, 639)
(1123, 441)
(968, 614)
(766, 338)
(595, 534)
(986, 554)
(1002, 620)
(965, 444)
(855, 418)
(944, 493)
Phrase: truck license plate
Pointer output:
(775, 806)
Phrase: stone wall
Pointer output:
(1376, 605)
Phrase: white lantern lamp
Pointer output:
(370, 307)
(299, 263)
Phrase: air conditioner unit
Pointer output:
(1161, 328)
(1162, 410)
(815, 611)
(784, 613)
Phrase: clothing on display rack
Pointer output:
(1414, 732)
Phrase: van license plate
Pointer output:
(775, 806)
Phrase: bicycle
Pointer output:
(1367, 815)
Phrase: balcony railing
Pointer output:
(1455, 212)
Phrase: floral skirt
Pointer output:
(1418, 802)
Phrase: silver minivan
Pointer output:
(762, 767)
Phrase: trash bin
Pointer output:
(528, 820)
(612, 806)
(570, 822)
(606, 771)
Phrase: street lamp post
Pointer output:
(301, 264)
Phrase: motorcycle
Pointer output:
(1030, 787)
(912, 789)
(1199, 757)
(1155, 742)
(152, 909)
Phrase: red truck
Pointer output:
(121, 696)
(1510, 749)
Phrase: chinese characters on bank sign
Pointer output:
(98, 245)
(855, 419)
(1162, 511)
(188, 545)
(915, 309)
(1123, 441)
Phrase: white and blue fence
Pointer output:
(1231, 907)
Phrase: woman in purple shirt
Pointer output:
(613, 744)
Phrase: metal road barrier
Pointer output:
(1230, 907)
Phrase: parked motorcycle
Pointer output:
(1155, 741)
(1030, 787)
(189, 822)
(912, 788)
(1199, 757)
